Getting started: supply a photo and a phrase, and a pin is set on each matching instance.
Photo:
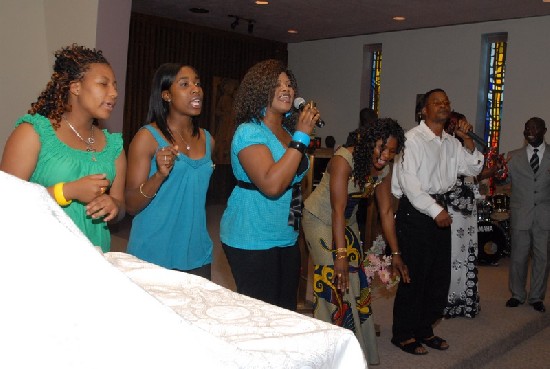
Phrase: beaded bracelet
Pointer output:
(59, 196)
(143, 193)
(342, 250)
(301, 137)
(396, 253)
(340, 257)
(298, 146)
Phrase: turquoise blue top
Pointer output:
(253, 221)
(171, 230)
(58, 162)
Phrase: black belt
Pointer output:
(442, 199)
(295, 212)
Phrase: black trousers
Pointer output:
(426, 249)
(270, 275)
(204, 271)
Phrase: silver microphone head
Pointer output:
(299, 103)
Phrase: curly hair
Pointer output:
(71, 63)
(364, 141)
(257, 90)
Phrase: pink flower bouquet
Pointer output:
(376, 264)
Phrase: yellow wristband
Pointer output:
(59, 196)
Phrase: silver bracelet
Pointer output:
(143, 193)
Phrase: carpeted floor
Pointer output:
(499, 337)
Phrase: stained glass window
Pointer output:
(372, 67)
(496, 65)
(376, 67)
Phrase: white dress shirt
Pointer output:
(430, 164)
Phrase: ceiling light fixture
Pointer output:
(293, 31)
(259, 2)
(235, 22)
(398, 18)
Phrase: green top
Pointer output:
(58, 162)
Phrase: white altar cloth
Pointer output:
(283, 338)
(66, 305)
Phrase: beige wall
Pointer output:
(113, 28)
(413, 62)
(24, 65)
(31, 31)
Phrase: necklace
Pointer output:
(185, 142)
(89, 142)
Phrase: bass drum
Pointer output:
(484, 209)
(491, 241)
(501, 206)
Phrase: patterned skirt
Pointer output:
(351, 310)
(463, 298)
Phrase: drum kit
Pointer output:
(493, 223)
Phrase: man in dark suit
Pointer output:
(529, 171)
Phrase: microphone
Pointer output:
(480, 141)
(299, 104)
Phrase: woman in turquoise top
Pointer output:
(169, 169)
(58, 145)
(259, 228)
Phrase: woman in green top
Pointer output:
(59, 146)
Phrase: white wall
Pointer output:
(24, 65)
(113, 29)
(413, 62)
(32, 30)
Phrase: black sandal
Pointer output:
(411, 347)
(435, 342)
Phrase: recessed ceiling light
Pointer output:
(199, 10)
(259, 2)
(293, 31)
(398, 18)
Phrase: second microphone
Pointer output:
(299, 104)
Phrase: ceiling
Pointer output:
(322, 19)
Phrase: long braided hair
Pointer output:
(71, 63)
(364, 141)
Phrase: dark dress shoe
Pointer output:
(539, 306)
(513, 302)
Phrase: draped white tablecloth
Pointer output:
(278, 337)
(66, 305)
